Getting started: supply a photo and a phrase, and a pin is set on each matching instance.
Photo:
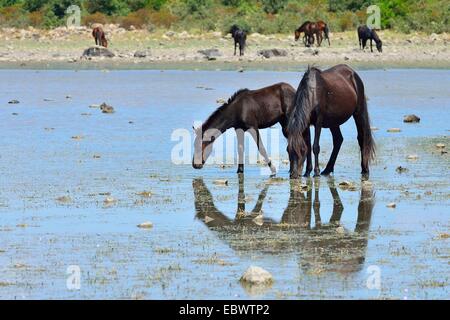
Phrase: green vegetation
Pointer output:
(263, 16)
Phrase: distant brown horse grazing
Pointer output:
(99, 36)
(327, 99)
(246, 110)
(310, 29)
(306, 29)
(323, 27)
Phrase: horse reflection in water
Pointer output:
(322, 246)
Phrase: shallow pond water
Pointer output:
(60, 160)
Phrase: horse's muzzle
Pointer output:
(197, 165)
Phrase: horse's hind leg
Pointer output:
(360, 128)
(256, 136)
(337, 142)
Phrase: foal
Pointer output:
(240, 37)
(246, 111)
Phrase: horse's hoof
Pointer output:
(326, 173)
(306, 175)
(273, 175)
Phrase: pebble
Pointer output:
(440, 145)
(411, 118)
(412, 157)
(14, 101)
(394, 130)
(391, 205)
(221, 182)
(145, 225)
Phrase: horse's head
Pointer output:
(234, 28)
(203, 145)
(379, 46)
(297, 34)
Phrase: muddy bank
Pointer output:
(140, 49)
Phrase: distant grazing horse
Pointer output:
(99, 36)
(310, 29)
(247, 110)
(364, 34)
(323, 28)
(327, 99)
(240, 37)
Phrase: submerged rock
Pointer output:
(145, 225)
(256, 275)
(401, 169)
(106, 108)
(269, 53)
(391, 205)
(394, 130)
(411, 118)
(412, 157)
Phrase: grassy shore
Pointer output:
(63, 48)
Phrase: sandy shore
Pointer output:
(63, 48)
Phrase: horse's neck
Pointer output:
(219, 121)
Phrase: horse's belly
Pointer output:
(334, 120)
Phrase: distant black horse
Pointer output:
(364, 34)
(240, 37)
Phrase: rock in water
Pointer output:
(411, 118)
(391, 205)
(269, 53)
(106, 108)
(145, 225)
(13, 101)
(256, 275)
(98, 52)
(394, 130)
(221, 182)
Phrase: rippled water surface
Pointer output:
(60, 160)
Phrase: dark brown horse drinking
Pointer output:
(246, 111)
(327, 99)
(99, 36)
(364, 34)
(310, 29)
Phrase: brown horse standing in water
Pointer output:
(327, 99)
(247, 110)
(99, 36)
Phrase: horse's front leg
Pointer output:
(256, 136)
(293, 161)
(371, 50)
(235, 46)
(240, 136)
(307, 138)
(316, 147)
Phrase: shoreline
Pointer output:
(276, 66)
(63, 48)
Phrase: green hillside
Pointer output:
(263, 16)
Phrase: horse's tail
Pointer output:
(327, 33)
(363, 123)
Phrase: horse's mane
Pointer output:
(223, 106)
(303, 26)
(300, 116)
